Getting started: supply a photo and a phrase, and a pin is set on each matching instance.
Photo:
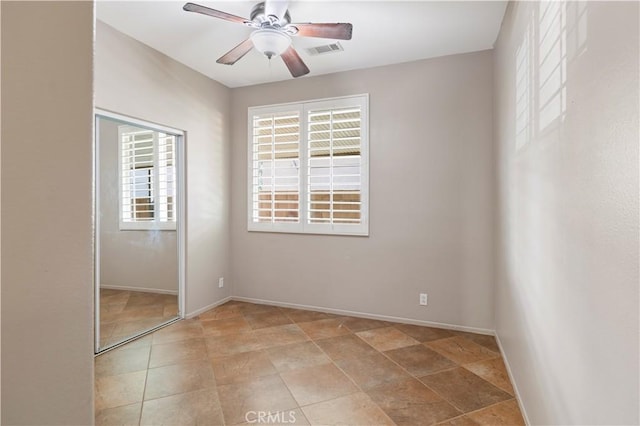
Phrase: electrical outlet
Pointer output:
(221, 282)
(423, 299)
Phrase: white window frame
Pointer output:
(302, 226)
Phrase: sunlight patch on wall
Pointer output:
(552, 65)
(523, 91)
(555, 35)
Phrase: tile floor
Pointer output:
(126, 313)
(233, 364)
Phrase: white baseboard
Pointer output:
(513, 382)
(208, 307)
(141, 289)
(367, 315)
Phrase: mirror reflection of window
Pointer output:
(147, 178)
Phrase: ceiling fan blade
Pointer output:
(192, 7)
(235, 54)
(276, 8)
(292, 60)
(335, 31)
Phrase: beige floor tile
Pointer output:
(242, 366)
(281, 418)
(178, 378)
(297, 355)
(320, 383)
(242, 401)
(118, 390)
(111, 297)
(126, 415)
(493, 371)
(228, 310)
(409, 402)
(424, 334)
(170, 310)
(387, 338)
(178, 352)
(144, 341)
(280, 335)
(464, 390)
(124, 360)
(267, 319)
(127, 329)
(182, 330)
(230, 344)
(371, 370)
(461, 350)
(110, 312)
(225, 326)
(139, 299)
(125, 314)
(361, 324)
(106, 330)
(299, 315)
(355, 409)
(420, 360)
(200, 407)
(255, 308)
(487, 341)
(343, 347)
(503, 414)
(324, 328)
(141, 312)
(459, 421)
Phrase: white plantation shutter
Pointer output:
(308, 167)
(147, 179)
(137, 175)
(275, 192)
(166, 177)
(334, 171)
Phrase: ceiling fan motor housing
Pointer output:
(258, 16)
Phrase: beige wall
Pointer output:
(146, 259)
(431, 199)
(135, 80)
(567, 293)
(47, 339)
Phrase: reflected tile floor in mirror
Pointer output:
(124, 314)
(234, 362)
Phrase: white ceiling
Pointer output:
(384, 32)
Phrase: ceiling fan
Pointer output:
(272, 33)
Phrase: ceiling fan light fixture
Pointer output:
(270, 42)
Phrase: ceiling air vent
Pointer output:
(328, 48)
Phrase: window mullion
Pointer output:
(155, 178)
(273, 169)
(303, 182)
(331, 168)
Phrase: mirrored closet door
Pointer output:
(138, 229)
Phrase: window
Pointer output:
(308, 167)
(147, 179)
